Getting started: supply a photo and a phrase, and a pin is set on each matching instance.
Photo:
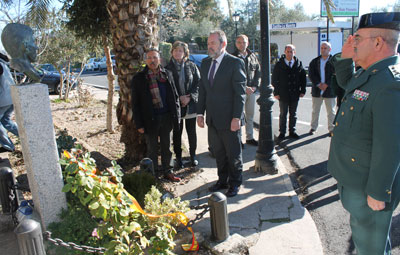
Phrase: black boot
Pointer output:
(178, 163)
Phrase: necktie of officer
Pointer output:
(212, 71)
(290, 64)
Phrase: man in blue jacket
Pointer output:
(6, 106)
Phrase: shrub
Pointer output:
(138, 184)
(129, 229)
(165, 50)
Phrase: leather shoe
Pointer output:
(171, 177)
(311, 132)
(194, 161)
(218, 186)
(294, 135)
(211, 153)
(2, 149)
(252, 142)
(281, 136)
(232, 191)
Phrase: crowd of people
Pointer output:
(165, 99)
(364, 152)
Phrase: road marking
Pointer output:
(301, 122)
(91, 84)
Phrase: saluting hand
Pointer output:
(348, 48)
(374, 204)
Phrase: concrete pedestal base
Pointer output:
(39, 148)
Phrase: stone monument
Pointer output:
(35, 123)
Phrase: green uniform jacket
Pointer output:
(365, 147)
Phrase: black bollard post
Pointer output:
(146, 165)
(7, 183)
(218, 217)
(30, 238)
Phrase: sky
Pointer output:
(313, 6)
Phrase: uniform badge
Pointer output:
(360, 95)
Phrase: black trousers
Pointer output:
(190, 125)
(285, 107)
(227, 149)
(161, 129)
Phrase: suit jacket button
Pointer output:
(337, 124)
(353, 159)
(342, 113)
(352, 108)
(389, 192)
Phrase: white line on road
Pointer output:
(301, 122)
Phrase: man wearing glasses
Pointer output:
(364, 154)
(156, 110)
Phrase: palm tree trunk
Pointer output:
(134, 29)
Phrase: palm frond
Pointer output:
(38, 10)
(329, 5)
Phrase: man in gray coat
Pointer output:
(222, 94)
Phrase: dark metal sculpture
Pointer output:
(19, 43)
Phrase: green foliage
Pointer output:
(138, 184)
(201, 42)
(165, 50)
(76, 225)
(187, 30)
(129, 229)
(89, 19)
(65, 142)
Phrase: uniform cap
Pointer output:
(385, 20)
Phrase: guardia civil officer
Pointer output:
(364, 154)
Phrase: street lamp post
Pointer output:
(266, 159)
(236, 17)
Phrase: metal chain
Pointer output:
(13, 205)
(200, 215)
(71, 245)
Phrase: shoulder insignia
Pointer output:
(395, 70)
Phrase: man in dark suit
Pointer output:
(156, 110)
(222, 94)
(364, 155)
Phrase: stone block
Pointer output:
(39, 149)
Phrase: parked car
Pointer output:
(103, 63)
(48, 67)
(93, 64)
(52, 79)
(197, 58)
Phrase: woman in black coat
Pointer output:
(187, 77)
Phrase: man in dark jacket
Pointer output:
(289, 81)
(253, 75)
(156, 109)
(320, 72)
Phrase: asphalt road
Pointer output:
(308, 163)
